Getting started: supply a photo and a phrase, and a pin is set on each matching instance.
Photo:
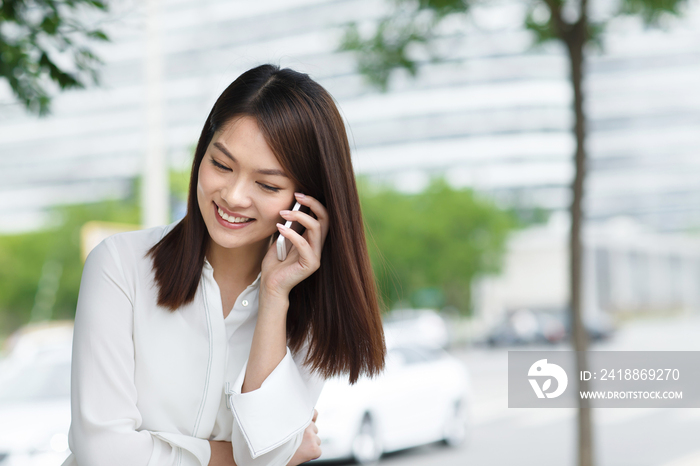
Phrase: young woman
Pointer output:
(193, 343)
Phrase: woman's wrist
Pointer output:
(273, 290)
(273, 302)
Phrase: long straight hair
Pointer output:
(336, 308)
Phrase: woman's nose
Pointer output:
(236, 195)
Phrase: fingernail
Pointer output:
(281, 227)
(284, 212)
(299, 195)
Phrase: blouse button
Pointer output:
(245, 302)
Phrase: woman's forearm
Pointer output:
(269, 344)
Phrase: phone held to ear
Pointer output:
(283, 244)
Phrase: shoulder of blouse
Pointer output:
(132, 246)
(125, 254)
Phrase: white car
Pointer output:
(421, 327)
(35, 410)
(422, 397)
(35, 397)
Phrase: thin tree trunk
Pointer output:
(575, 44)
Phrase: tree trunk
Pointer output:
(575, 43)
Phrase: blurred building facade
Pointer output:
(628, 270)
(494, 115)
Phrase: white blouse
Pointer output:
(151, 386)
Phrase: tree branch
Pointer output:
(561, 27)
(583, 13)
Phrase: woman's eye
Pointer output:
(219, 166)
(262, 185)
(269, 188)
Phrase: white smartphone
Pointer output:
(283, 244)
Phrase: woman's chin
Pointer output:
(232, 239)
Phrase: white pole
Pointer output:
(154, 190)
(47, 291)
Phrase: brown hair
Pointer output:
(336, 307)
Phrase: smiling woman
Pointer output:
(194, 344)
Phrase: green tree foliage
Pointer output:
(433, 242)
(24, 256)
(44, 41)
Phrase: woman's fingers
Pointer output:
(317, 227)
(307, 255)
(313, 227)
(313, 422)
(317, 208)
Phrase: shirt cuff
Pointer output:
(195, 451)
(274, 413)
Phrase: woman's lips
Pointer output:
(227, 224)
(231, 214)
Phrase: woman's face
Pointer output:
(241, 187)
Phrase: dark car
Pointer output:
(598, 328)
(525, 326)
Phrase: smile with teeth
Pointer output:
(230, 219)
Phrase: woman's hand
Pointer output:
(279, 277)
(221, 454)
(310, 447)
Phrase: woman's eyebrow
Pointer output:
(262, 171)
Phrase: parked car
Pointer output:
(42, 337)
(421, 327)
(422, 397)
(35, 408)
(525, 326)
(600, 327)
